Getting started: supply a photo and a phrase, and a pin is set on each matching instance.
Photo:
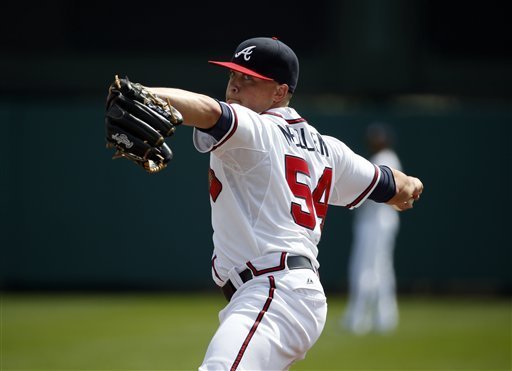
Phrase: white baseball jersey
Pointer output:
(272, 176)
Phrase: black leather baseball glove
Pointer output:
(137, 123)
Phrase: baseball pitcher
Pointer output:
(272, 177)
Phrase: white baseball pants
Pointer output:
(270, 322)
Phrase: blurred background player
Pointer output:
(372, 304)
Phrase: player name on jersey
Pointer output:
(304, 139)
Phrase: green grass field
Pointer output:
(171, 332)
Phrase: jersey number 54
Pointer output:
(316, 201)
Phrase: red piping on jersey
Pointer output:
(233, 129)
(296, 121)
(280, 267)
(367, 190)
(256, 323)
(291, 121)
(272, 113)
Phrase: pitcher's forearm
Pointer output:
(198, 110)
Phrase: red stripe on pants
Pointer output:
(256, 323)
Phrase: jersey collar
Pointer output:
(286, 113)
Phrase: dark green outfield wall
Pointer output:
(73, 218)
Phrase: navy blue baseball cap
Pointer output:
(266, 58)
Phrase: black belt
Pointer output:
(293, 262)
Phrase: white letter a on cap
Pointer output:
(246, 52)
